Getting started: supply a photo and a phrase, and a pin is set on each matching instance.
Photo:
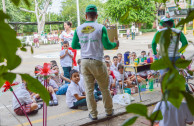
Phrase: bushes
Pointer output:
(148, 30)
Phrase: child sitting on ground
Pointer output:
(120, 58)
(53, 63)
(107, 58)
(115, 64)
(143, 54)
(29, 106)
(111, 82)
(52, 88)
(110, 72)
(173, 116)
(75, 96)
(66, 57)
(119, 77)
(59, 79)
(78, 66)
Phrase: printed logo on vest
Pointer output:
(88, 29)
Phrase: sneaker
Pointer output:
(40, 106)
(90, 116)
(108, 115)
(50, 103)
(100, 97)
(55, 102)
(83, 108)
(39, 100)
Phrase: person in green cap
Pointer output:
(161, 21)
(168, 22)
(92, 38)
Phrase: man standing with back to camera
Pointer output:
(92, 38)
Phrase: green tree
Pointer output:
(40, 11)
(126, 11)
(9, 60)
(14, 13)
(69, 12)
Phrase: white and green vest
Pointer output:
(172, 45)
(90, 38)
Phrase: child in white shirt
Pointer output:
(29, 106)
(66, 57)
(173, 116)
(120, 77)
(120, 58)
(114, 66)
(75, 96)
(78, 66)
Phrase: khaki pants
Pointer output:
(91, 70)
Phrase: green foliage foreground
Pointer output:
(173, 84)
(9, 60)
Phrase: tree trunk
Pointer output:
(156, 20)
(41, 15)
(4, 9)
(139, 26)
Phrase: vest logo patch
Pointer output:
(88, 29)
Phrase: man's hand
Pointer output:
(117, 42)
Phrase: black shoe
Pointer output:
(108, 115)
(90, 116)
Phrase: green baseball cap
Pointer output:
(165, 19)
(91, 8)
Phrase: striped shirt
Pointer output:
(67, 37)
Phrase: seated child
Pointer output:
(78, 66)
(173, 116)
(66, 61)
(120, 58)
(133, 57)
(114, 66)
(52, 88)
(143, 54)
(49, 88)
(119, 77)
(107, 58)
(59, 78)
(75, 96)
(111, 82)
(24, 97)
(53, 63)
(110, 72)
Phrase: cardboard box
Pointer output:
(112, 33)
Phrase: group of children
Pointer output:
(117, 75)
(71, 81)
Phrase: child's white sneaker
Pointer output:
(55, 102)
(50, 103)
